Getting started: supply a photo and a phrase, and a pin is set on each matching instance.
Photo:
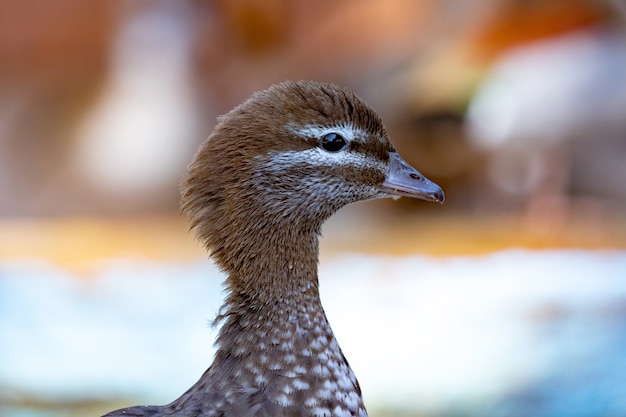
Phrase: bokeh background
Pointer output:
(509, 300)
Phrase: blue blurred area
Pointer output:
(514, 333)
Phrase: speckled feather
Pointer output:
(257, 194)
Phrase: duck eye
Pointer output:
(333, 142)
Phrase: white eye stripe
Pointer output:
(348, 132)
(317, 157)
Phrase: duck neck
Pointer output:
(273, 267)
(275, 336)
(272, 287)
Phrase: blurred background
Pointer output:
(509, 300)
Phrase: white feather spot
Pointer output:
(323, 356)
(340, 412)
(275, 366)
(329, 385)
(300, 385)
(316, 345)
(321, 370)
(345, 383)
(321, 412)
(324, 394)
(352, 400)
(283, 400)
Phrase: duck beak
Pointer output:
(402, 180)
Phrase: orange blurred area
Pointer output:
(81, 244)
(73, 242)
(503, 103)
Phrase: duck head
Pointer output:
(287, 159)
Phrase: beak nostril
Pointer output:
(404, 180)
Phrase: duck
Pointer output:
(257, 193)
